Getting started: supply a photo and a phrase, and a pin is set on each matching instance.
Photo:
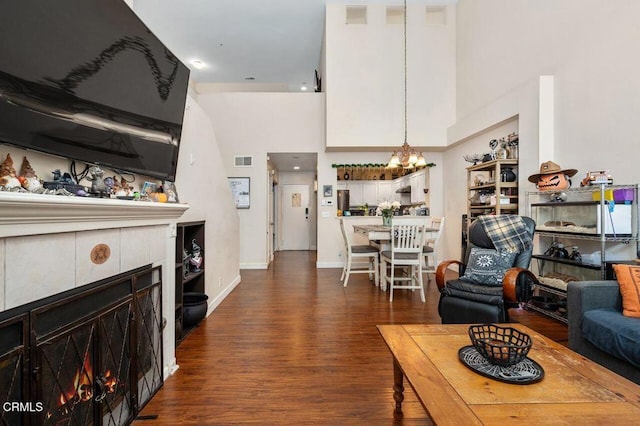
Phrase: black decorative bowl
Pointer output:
(500, 345)
(194, 308)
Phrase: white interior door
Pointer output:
(295, 217)
(271, 217)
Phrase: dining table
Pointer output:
(380, 237)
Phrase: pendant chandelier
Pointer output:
(406, 157)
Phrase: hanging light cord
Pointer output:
(405, 68)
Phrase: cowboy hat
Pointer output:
(550, 168)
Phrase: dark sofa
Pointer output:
(599, 331)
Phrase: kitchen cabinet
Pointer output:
(397, 184)
(418, 183)
(370, 193)
(373, 192)
(386, 192)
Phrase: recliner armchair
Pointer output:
(463, 301)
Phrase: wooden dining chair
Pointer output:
(407, 239)
(356, 252)
(430, 248)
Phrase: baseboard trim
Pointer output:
(254, 266)
(213, 304)
(322, 265)
(170, 370)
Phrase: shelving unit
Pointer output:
(585, 219)
(187, 281)
(488, 178)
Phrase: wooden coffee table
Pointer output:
(574, 390)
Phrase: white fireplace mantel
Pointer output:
(49, 231)
(31, 214)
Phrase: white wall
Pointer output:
(364, 78)
(256, 124)
(201, 182)
(503, 47)
(589, 46)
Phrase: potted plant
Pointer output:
(386, 209)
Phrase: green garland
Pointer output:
(340, 166)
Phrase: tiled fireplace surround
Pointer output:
(46, 243)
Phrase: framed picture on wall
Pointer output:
(327, 190)
(240, 189)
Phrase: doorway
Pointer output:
(293, 197)
(271, 216)
(295, 217)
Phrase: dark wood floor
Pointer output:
(290, 345)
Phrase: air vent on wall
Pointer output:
(243, 161)
(395, 15)
(436, 15)
(356, 15)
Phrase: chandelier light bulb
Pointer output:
(406, 156)
(413, 157)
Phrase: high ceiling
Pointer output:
(277, 43)
(272, 42)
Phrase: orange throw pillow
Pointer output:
(629, 280)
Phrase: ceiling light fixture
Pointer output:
(406, 157)
(198, 64)
(296, 167)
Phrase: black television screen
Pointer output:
(87, 80)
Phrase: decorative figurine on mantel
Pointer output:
(28, 177)
(195, 261)
(8, 177)
(98, 186)
(125, 189)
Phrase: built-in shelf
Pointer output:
(192, 276)
(487, 178)
(187, 281)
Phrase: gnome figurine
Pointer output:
(28, 177)
(8, 177)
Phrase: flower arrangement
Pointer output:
(386, 208)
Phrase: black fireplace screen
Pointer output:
(13, 360)
(96, 355)
(149, 344)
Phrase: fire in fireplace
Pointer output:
(90, 356)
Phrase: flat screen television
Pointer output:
(87, 80)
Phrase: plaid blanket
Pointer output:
(507, 232)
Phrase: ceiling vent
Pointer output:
(243, 161)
